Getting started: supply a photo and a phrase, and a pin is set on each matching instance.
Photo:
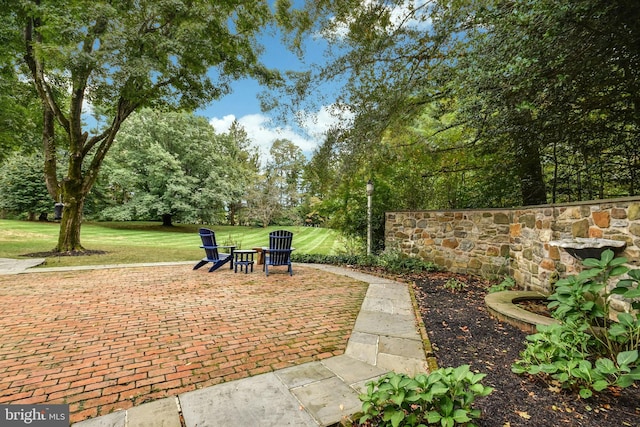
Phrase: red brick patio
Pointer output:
(102, 340)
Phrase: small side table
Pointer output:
(260, 254)
(244, 259)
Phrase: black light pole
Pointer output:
(369, 194)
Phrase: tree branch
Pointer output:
(32, 36)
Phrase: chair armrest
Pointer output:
(267, 250)
(217, 247)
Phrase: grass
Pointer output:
(133, 242)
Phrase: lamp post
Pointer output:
(369, 194)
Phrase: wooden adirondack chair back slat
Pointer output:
(209, 242)
(280, 247)
(211, 251)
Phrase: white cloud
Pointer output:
(319, 122)
(222, 125)
(410, 13)
(262, 131)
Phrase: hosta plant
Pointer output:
(445, 398)
(589, 351)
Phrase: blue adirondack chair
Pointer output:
(279, 250)
(211, 251)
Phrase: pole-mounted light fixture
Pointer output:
(369, 194)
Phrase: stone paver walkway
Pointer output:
(16, 266)
(111, 339)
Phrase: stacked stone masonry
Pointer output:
(494, 243)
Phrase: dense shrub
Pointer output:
(588, 351)
(392, 262)
(444, 397)
(351, 260)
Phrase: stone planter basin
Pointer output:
(503, 306)
(582, 248)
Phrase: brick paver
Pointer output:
(103, 340)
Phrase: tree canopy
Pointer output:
(117, 57)
(22, 188)
(171, 165)
(543, 94)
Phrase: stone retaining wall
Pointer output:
(494, 243)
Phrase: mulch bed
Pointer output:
(48, 254)
(462, 332)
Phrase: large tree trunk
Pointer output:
(232, 214)
(69, 236)
(532, 186)
(234, 210)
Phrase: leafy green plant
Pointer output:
(392, 263)
(558, 352)
(501, 271)
(588, 351)
(351, 246)
(507, 284)
(584, 299)
(444, 397)
(229, 241)
(454, 284)
(553, 351)
(344, 259)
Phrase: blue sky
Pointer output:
(262, 128)
(243, 104)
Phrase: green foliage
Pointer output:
(551, 349)
(454, 284)
(352, 245)
(507, 284)
(392, 262)
(285, 169)
(275, 197)
(157, 168)
(552, 64)
(588, 351)
(584, 299)
(565, 354)
(342, 259)
(22, 187)
(20, 114)
(443, 397)
(475, 103)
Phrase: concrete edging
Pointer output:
(503, 306)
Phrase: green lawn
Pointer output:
(132, 242)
